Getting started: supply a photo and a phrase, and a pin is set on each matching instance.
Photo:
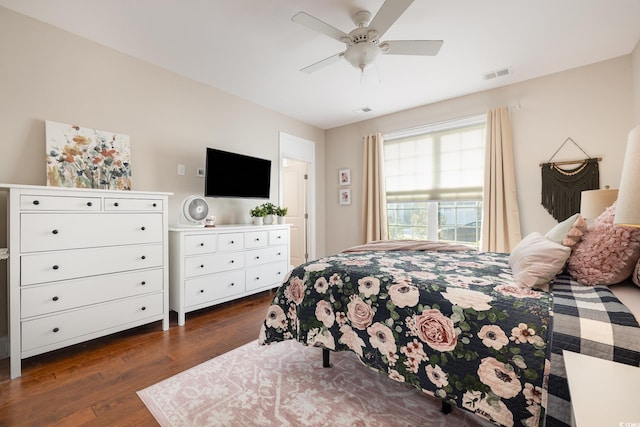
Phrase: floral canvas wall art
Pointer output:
(87, 158)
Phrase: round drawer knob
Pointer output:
(89, 203)
(36, 202)
(143, 228)
(232, 284)
(257, 257)
(144, 308)
(232, 261)
(232, 242)
(116, 204)
(56, 329)
(257, 278)
(201, 244)
(154, 205)
(55, 267)
(144, 257)
(143, 283)
(202, 291)
(54, 231)
(55, 298)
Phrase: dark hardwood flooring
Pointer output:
(95, 383)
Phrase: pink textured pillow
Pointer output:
(607, 253)
(574, 235)
(636, 274)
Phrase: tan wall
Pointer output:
(593, 105)
(635, 69)
(48, 74)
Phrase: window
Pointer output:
(434, 177)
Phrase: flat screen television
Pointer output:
(236, 175)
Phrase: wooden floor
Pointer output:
(95, 383)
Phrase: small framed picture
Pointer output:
(345, 196)
(344, 176)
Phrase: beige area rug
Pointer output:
(284, 384)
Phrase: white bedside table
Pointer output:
(603, 393)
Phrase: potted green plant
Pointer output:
(281, 212)
(269, 212)
(258, 213)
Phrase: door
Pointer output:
(295, 192)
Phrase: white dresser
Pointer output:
(83, 263)
(210, 266)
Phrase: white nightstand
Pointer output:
(603, 393)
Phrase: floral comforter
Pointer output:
(452, 324)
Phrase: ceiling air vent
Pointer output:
(497, 73)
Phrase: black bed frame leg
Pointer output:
(446, 407)
(325, 358)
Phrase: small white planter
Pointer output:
(257, 220)
(268, 219)
(281, 219)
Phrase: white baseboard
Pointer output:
(4, 347)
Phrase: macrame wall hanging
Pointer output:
(561, 188)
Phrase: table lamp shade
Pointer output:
(628, 205)
(594, 202)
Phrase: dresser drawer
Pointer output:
(64, 265)
(48, 330)
(37, 300)
(127, 204)
(211, 263)
(45, 232)
(212, 287)
(29, 202)
(267, 274)
(255, 239)
(279, 237)
(200, 244)
(231, 241)
(265, 255)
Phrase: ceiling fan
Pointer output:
(363, 43)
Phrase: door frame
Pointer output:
(296, 148)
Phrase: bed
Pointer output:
(452, 322)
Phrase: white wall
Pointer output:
(48, 74)
(593, 105)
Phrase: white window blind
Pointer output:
(439, 162)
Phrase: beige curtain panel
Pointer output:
(374, 198)
(500, 215)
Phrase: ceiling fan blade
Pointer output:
(319, 26)
(321, 64)
(388, 14)
(411, 47)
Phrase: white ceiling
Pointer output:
(252, 49)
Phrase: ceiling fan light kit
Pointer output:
(363, 46)
(362, 54)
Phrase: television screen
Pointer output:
(236, 175)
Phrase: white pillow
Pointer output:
(560, 230)
(536, 260)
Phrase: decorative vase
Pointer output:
(281, 220)
(258, 220)
(268, 219)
